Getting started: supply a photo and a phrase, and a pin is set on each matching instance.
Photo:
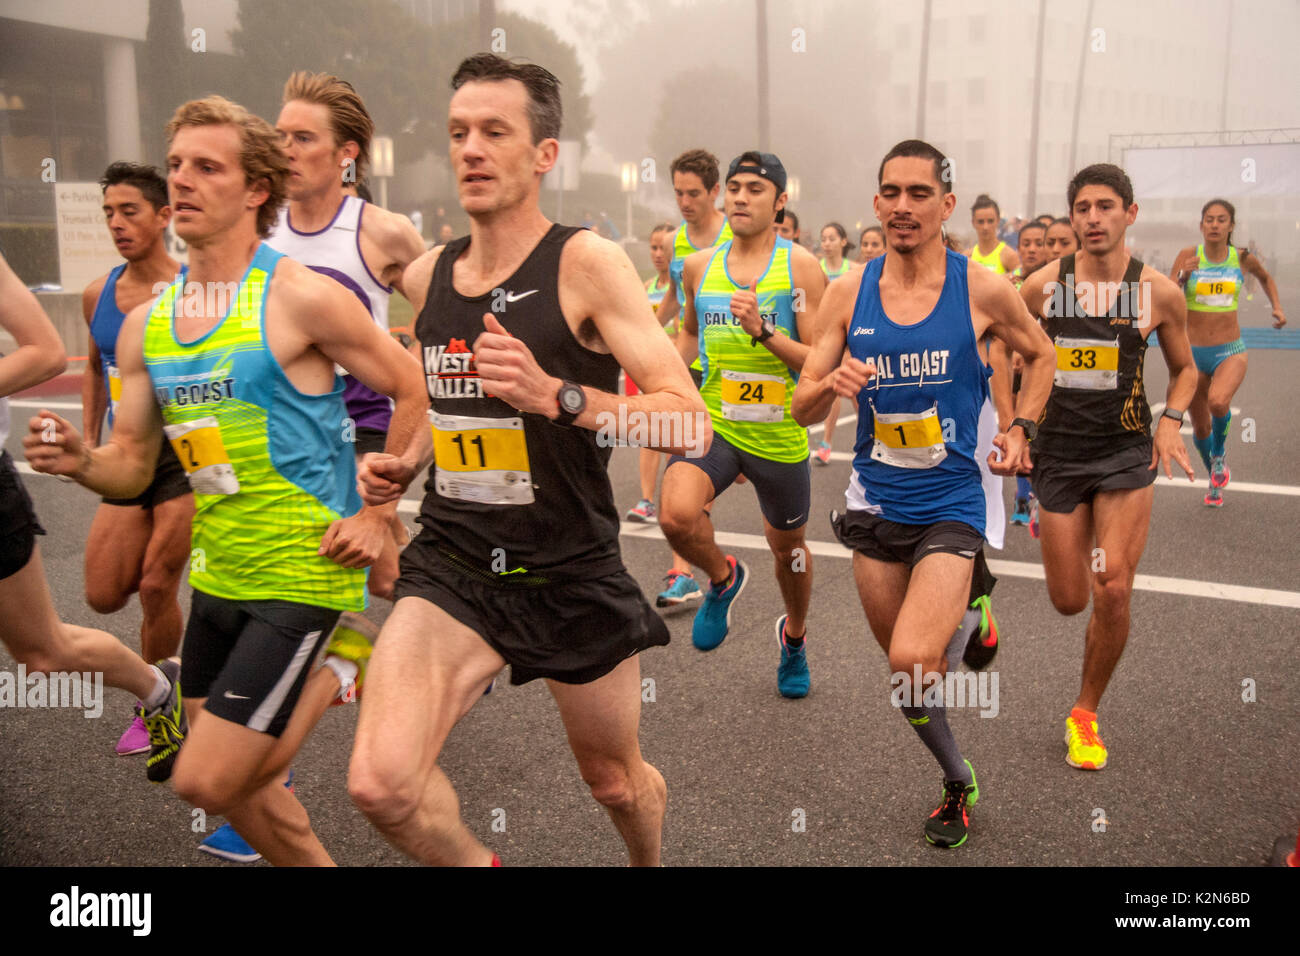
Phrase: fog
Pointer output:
(644, 81)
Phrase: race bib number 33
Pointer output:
(202, 454)
(481, 459)
(1087, 363)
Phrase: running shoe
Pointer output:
(1215, 498)
(681, 588)
(948, 826)
(1086, 751)
(1033, 517)
(643, 512)
(226, 843)
(353, 640)
(1020, 514)
(167, 727)
(135, 739)
(823, 454)
(792, 677)
(983, 643)
(1219, 473)
(713, 619)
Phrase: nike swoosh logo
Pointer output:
(794, 519)
(231, 696)
(515, 297)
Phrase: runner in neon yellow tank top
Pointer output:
(695, 185)
(989, 251)
(241, 361)
(1211, 275)
(751, 307)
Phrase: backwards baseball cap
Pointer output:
(768, 167)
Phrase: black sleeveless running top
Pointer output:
(569, 530)
(1098, 405)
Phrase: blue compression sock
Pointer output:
(1219, 434)
(1023, 487)
(1203, 446)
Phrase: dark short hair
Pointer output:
(363, 191)
(843, 233)
(147, 179)
(545, 111)
(1033, 224)
(918, 149)
(876, 229)
(1101, 174)
(1232, 212)
(700, 162)
(984, 201)
(1044, 215)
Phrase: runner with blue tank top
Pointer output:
(139, 544)
(234, 366)
(915, 326)
(751, 307)
(1211, 275)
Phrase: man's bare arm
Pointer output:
(94, 396)
(815, 392)
(40, 355)
(397, 241)
(124, 466)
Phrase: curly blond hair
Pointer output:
(260, 152)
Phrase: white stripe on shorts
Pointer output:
(267, 710)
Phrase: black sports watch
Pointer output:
(769, 330)
(1176, 416)
(571, 400)
(1029, 428)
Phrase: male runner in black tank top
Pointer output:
(522, 330)
(1094, 459)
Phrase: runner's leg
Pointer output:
(601, 720)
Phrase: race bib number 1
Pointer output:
(481, 459)
(907, 439)
(202, 454)
(114, 387)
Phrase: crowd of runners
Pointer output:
(248, 417)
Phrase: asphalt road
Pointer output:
(1197, 776)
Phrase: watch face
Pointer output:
(571, 399)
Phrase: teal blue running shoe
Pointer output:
(681, 588)
(792, 677)
(713, 619)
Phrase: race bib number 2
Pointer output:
(202, 454)
(481, 459)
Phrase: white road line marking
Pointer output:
(1019, 569)
(33, 403)
(821, 426)
(1015, 569)
(1250, 487)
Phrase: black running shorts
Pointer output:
(906, 544)
(574, 633)
(784, 488)
(18, 524)
(169, 481)
(369, 440)
(250, 659)
(1062, 484)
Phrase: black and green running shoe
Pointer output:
(947, 827)
(167, 727)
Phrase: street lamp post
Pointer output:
(629, 190)
(381, 165)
